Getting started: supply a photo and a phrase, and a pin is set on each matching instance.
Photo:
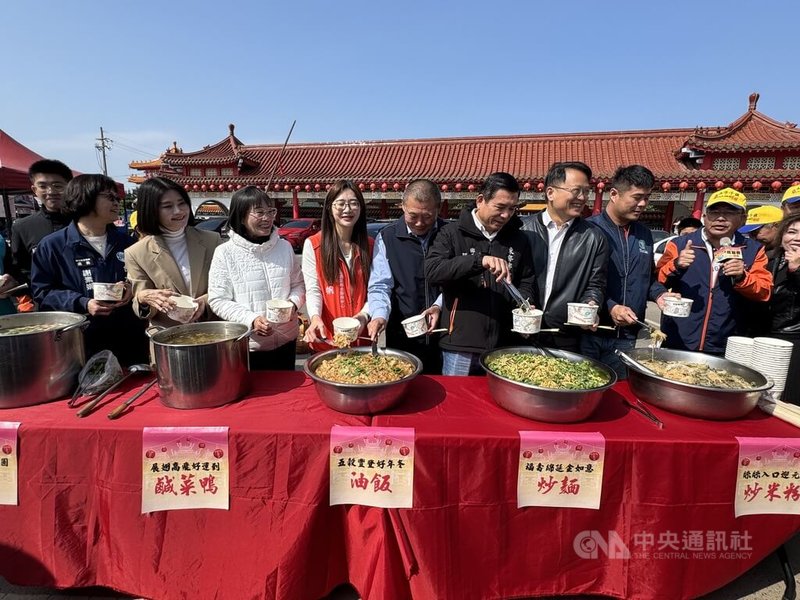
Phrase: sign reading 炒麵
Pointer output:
(372, 466)
(558, 468)
(768, 476)
(184, 467)
(8, 462)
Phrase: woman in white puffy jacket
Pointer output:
(255, 266)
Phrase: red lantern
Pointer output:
(187, 187)
(526, 186)
(384, 186)
(317, 187)
(459, 187)
(757, 185)
(445, 187)
(297, 188)
(794, 183)
(373, 187)
(666, 186)
(471, 187)
(540, 186)
(601, 186)
(701, 186)
(204, 187)
(361, 186)
(212, 187)
(195, 187)
(277, 187)
(287, 188)
(719, 185)
(738, 185)
(396, 187)
(776, 186)
(308, 187)
(683, 186)
(328, 186)
(238, 186)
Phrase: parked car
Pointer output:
(297, 231)
(659, 246)
(374, 227)
(218, 224)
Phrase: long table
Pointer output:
(79, 521)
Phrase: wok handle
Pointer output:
(153, 329)
(244, 335)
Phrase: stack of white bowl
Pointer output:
(771, 357)
(740, 350)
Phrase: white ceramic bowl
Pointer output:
(108, 292)
(527, 321)
(677, 307)
(579, 313)
(279, 311)
(184, 309)
(347, 326)
(415, 326)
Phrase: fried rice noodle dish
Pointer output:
(548, 372)
(697, 374)
(363, 368)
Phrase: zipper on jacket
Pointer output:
(707, 316)
(626, 257)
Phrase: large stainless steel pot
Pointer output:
(360, 399)
(40, 366)
(695, 400)
(545, 404)
(202, 375)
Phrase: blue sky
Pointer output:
(153, 72)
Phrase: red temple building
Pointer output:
(755, 154)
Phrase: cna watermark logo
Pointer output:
(666, 545)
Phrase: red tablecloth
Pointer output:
(79, 523)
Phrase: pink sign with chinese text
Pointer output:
(8, 463)
(558, 468)
(768, 476)
(184, 467)
(372, 466)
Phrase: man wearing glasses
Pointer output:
(398, 288)
(48, 180)
(470, 260)
(570, 254)
(721, 271)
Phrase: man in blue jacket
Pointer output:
(631, 279)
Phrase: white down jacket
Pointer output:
(244, 275)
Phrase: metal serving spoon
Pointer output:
(132, 370)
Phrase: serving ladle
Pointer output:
(132, 370)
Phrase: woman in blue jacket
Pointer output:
(90, 250)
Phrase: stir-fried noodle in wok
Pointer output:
(548, 372)
(697, 374)
(362, 367)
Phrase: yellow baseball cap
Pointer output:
(728, 196)
(792, 194)
(760, 216)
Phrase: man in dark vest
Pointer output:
(398, 288)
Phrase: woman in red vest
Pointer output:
(336, 263)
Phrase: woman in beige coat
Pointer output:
(173, 258)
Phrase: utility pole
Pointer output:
(103, 144)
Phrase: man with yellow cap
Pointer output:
(762, 225)
(720, 270)
(791, 201)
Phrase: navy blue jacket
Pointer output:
(63, 269)
(631, 277)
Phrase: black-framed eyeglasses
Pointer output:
(576, 192)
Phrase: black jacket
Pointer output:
(581, 267)
(27, 232)
(784, 304)
(477, 309)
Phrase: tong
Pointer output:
(517, 296)
(644, 411)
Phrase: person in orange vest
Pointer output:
(336, 265)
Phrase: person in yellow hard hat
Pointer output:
(791, 201)
(762, 225)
